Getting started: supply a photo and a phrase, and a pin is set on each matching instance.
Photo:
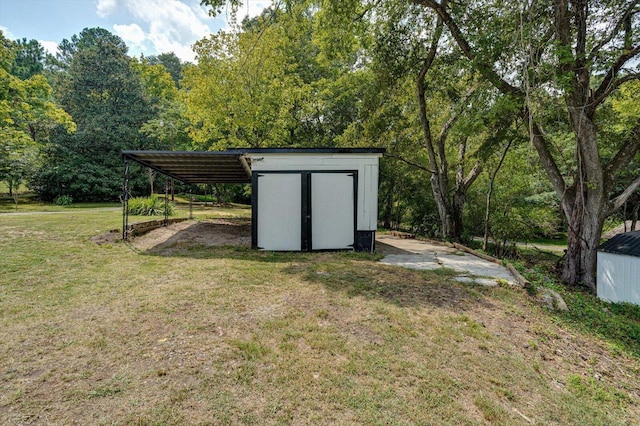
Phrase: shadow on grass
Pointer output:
(396, 285)
(355, 274)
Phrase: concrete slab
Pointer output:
(425, 255)
(412, 246)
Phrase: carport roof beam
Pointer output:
(195, 166)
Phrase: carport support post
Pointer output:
(166, 202)
(191, 203)
(125, 200)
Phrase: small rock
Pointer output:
(552, 300)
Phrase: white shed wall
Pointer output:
(332, 211)
(280, 206)
(365, 164)
(618, 278)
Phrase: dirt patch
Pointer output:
(214, 232)
(108, 238)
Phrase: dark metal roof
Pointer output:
(626, 243)
(228, 166)
(196, 166)
(309, 150)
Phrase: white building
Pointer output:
(618, 278)
(314, 199)
(303, 199)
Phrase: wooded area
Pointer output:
(503, 120)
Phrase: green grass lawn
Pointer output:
(105, 334)
(560, 241)
(28, 202)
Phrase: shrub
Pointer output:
(149, 206)
(63, 200)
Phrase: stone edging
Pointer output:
(140, 228)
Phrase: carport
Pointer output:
(303, 199)
(190, 167)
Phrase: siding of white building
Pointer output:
(343, 205)
(618, 276)
(365, 164)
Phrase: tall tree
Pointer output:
(249, 87)
(458, 117)
(107, 101)
(171, 63)
(167, 129)
(321, 74)
(579, 52)
(235, 94)
(449, 198)
(29, 59)
(28, 115)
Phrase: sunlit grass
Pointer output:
(104, 334)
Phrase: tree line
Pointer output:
(507, 120)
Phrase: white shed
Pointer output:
(303, 199)
(314, 199)
(618, 278)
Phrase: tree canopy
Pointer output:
(576, 55)
(107, 101)
(27, 113)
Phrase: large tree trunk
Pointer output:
(435, 150)
(459, 198)
(450, 202)
(583, 239)
(444, 209)
(587, 212)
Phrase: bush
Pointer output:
(148, 206)
(63, 200)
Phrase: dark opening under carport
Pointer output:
(191, 167)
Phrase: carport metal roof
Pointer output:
(196, 166)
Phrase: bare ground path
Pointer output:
(207, 233)
(557, 249)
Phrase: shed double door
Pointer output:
(305, 211)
